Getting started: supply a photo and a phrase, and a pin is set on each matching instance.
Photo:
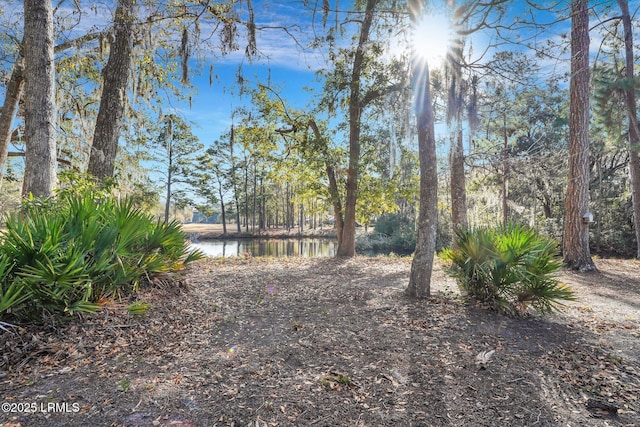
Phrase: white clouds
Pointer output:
(276, 48)
(282, 39)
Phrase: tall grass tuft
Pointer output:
(61, 256)
(510, 268)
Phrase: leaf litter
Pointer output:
(328, 342)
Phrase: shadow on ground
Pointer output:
(318, 342)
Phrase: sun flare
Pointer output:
(431, 38)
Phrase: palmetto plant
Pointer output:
(64, 255)
(510, 268)
(12, 293)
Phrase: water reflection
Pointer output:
(269, 247)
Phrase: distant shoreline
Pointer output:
(215, 232)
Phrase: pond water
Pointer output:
(269, 247)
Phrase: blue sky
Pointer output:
(281, 61)
(290, 69)
(212, 105)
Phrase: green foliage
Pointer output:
(62, 255)
(399, 228)
(124, 386)
(13, 293)
(404, 238)
(510, 268)
(335, 380)
(389, 223)
(139, 307)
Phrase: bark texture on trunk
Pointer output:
(347, 244)
(505, 173)
(458, 190)
(40, 128)
(15, 88)
(167, 204)
(222, 207)
(575, 245)
(114, 93)
(422, 264)
(634, 132)
(234, 180)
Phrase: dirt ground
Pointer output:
(327, 342)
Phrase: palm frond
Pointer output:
(510, 268)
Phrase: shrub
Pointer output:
(400, 229)
(390, 223)
(12, 293)
(510, 268)
(372, 241)
(404, 237)
(60, 256)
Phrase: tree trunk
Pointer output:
(114, 93)
(458, 190)
(262, 209)
(246, 193)
(254, 196)
(169, 179)
(422, 264)
(10, 108)
(634, 137)
(40, 128)
(224, 215)
(575, 246)
(234, 178)
(455, 107)
(315, 214)
(287, 210)
(238, 214)
(505, 174)
(303, 217)
(292, 212)
(14, 91)
(347, 244)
